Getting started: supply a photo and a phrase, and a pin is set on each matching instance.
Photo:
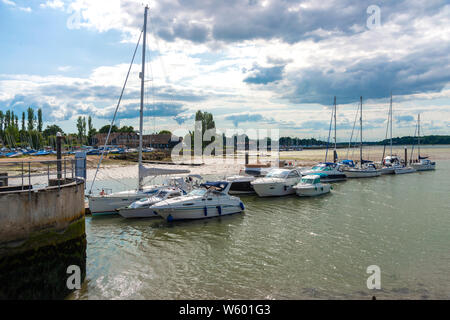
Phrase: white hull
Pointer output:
(273, 189)
(109, 204)
(311, 190)
(137, 213)
(387, 170)
(404, 170)
(197, 212)
(362, 173)
(423, 167)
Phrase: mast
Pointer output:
(361, 142)
(418, 134)
(141, 111)
(335, 141)
(391, 123)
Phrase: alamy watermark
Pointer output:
(74, 280)
(374, 19)
(374, 280)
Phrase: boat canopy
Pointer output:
(221, 185)
(348, 162)
(146, 172)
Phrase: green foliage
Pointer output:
(165, 132)
(40, 123)
(105, 129)
(128, 129)
(31, 118)
(52, 130)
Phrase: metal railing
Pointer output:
(22, 175)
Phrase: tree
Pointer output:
(52, 130)
(7, 119)
(2, 119)
(40, 120)
(207, 121)
(105, 129)
(165, 132)
(128, 129)
(91, 130)
(31, 118)
(81, 127)
(23, 121)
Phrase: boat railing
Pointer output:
(36, 174)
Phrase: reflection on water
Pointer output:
(290, 247)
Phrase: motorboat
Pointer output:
(108, 203)
(210, 200)
(311, 185)
(329, 171)
(241, 184)
(141, 208)
(278, 182)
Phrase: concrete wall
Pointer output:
(42, 233)
(25, 212)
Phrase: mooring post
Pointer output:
(58, 154)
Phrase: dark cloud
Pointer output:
(261, 75)
(418, 72)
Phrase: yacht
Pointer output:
(404, 169)
(422, 163)
(311, 186)
(141, 208)
(278, 182)
(241, 184)
(364, 169)
(210, 200)
(329, 171)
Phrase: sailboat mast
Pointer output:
(335, 141)
(141, 111)
(418, 134)
(391, 123)
(361, 141)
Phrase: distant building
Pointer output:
(131, 140)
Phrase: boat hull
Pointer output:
(241, 187)
(423, 167)
(144, 212)
(311, 191)
(273, 189)
(387, 170)
(404, 170)
(362, 173)
(198, 212)
(107, 205)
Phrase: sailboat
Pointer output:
(329, 171)
(392, 161)
(108, 203)
(364, 169)
(423, 163)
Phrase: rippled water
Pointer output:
(285, 248)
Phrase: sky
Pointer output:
(254, 64)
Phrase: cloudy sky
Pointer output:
(252, 63)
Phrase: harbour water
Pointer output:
(284, 248)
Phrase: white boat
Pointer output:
(109, 203)
(365, 169)
(278, 182)
(210, 200)
(329, 171)
(403, 169)
(422, 163)
(141, 208)
(311, 186)
(389, 164)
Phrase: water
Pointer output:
(285, 248)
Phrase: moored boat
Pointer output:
(311, 186)
(278, 182)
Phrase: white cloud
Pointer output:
(54, 4)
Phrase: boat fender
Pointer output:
(169, 218)
(219, 209)
(205, 209)
(241, 205)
